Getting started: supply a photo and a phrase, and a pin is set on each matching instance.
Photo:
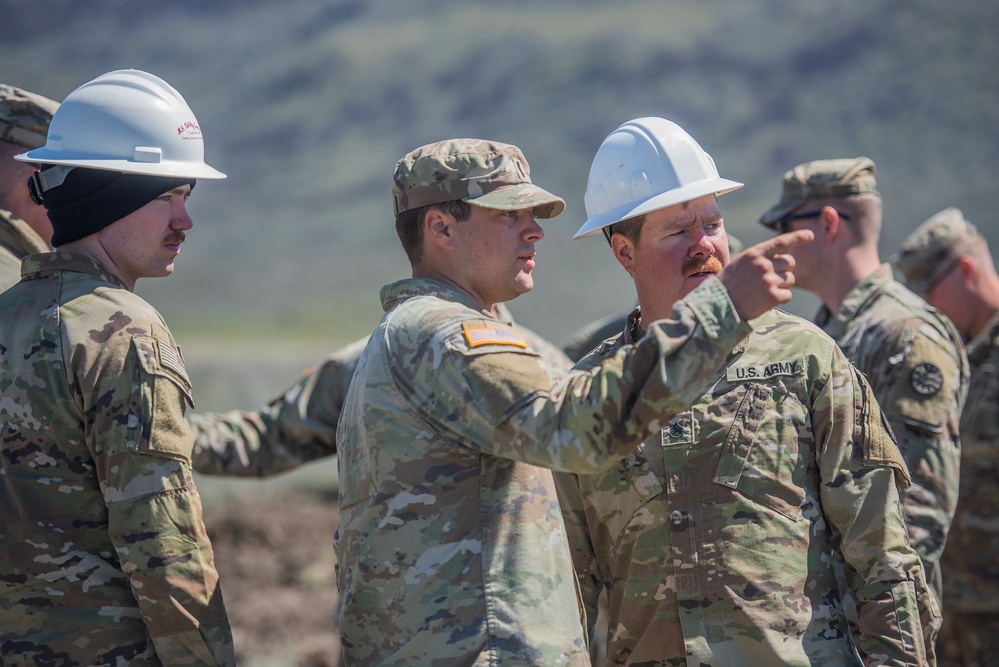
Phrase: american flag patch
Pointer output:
(169, 358)
(477, 336)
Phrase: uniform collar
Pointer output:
(986, 338)
(633, 330)
(854, 302)
(50, 262)
(395, 293)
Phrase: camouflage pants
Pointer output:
(968, 640)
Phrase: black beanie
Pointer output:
(91, 199)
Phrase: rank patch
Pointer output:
(926, 379)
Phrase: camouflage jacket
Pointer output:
(17, 240)
(913, 358)
(451, 547)
(971, 559)
(295, 427)
(715, 539)
(586, 339)
(103, 554)
(299, 425)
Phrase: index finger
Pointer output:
(783, 242)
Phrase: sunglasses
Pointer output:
(784, 224)
(940, 275)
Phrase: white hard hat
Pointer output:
(644, 165)
(128, 121)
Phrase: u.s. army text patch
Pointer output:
(765, 371)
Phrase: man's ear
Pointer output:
(437, 228)
(968, 268)
(832, 224)
(624, 251)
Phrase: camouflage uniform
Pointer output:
(17, 240)
(970, 563)
(299, 425)
(24, 121)
(103, 554)
(294, 428)
(451, 546)
(914, 360)
(909, 352)
(716, 538)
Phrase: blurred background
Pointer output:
(307, 105)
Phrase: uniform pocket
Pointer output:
(163, 393)
(620, 497)
(760, 456)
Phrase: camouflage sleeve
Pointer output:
(510, 403)
(570, 500)
(141, 449)
(587, 338)
(296, 427)
(923, 396)
(861, 471)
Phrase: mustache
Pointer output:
(692, 265)
(175, 239)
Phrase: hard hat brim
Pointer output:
(166, 169)
(673, 197)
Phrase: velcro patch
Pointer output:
(680, 430)
(170, 358)
(743, 373)
(477, 336)
(926, 379)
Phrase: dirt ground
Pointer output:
(274, 553)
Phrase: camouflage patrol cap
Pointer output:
(24, 116)
(927, 253)
(485, 173)
(821, 179)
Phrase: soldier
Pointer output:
(947, 262)
(908, 351)
(24, 227)
(104, 557)
(715, 538)
(451, 548)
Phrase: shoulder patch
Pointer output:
(170, 358)
(926, 379)
(924, 393)
(478, 334)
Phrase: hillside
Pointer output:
(307, 105)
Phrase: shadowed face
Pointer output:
(145, 243)
(496, 251)
(680, 247)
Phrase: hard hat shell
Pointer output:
(644, 165)
(128, 121)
